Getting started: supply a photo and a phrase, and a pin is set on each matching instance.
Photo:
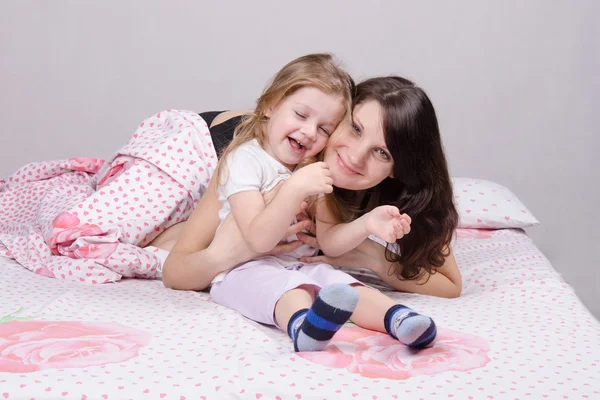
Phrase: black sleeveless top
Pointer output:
(221, 134)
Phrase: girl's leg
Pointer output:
(371, 309)
(378, 312)
(266, 292)
(312, 328)
(293, 301)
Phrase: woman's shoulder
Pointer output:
(227, 116)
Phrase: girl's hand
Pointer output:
(387, 223)
(312, 179)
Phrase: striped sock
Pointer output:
(311, 329)
(409, 327)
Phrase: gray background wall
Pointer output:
(515, 84)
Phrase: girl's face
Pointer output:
(357, 154)
(299, 125)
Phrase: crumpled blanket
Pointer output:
(86, 219)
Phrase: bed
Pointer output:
(517, 332)
(75, 325)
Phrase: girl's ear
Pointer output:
(268, 112)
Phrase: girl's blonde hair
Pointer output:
(320, 71)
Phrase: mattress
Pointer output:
(517, 332)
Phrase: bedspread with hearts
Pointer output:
(86, 219)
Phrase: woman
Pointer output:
(392, 116)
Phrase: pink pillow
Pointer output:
(487, 205)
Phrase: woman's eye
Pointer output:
(300, 115)
(355, 128)
(383, 154)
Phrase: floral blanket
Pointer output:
(517, 332)
(83, 219)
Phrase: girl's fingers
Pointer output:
(297, 228)
(303, 206)
(405, 227)
(309, 240)
(398, 231)
(303, 217)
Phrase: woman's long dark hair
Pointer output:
(420, 186)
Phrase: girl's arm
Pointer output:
(192, 264)
(263, 225)
(199, 255)
(446, 282)
(336, 239)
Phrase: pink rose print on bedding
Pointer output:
(115, 171)
(86, 164)
(99, 251)
(36, 345)
(66, 228)
(377, 355)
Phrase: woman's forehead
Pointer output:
(368, 116)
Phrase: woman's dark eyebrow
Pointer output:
(360, 125)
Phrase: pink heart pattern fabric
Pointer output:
(484, 204)
(85, 220)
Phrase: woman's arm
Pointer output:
(446, 282)
(189, 265)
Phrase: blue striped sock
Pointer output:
(312, 329)
(409, 327)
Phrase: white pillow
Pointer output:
(484, 204)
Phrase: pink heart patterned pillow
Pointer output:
(483, 204)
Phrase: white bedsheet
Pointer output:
(518, 331)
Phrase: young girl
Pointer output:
(290, 126)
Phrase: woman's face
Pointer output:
(356, 153)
